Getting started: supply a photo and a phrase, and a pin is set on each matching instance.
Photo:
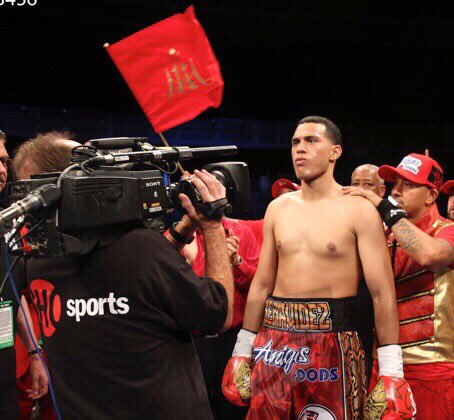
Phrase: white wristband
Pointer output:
(390, 361)
(244, 345)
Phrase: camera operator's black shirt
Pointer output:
(116, 329)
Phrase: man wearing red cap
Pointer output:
(448, 189)
(282, 186)
(421, 243)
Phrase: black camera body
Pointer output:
(93, 199)
(111, 197)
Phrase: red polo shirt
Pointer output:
(249, 251)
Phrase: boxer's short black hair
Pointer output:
(332, 129)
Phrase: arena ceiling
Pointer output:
(352, 61)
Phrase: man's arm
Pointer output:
(377, 271)
(244, 255)
(217, 262)
(424, 249)
(38, 373)
(265, 276)
(185, 228)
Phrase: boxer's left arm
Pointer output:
(376, 264)
(377, 271)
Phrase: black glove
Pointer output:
(390, 213)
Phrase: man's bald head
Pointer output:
(366, 176)
(48, 152)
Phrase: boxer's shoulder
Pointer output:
(286, 198)
(277, 205)
(362, 213)
(358, 205)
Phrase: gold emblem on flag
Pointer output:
(183, 76)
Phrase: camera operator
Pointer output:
(117, 320)
(14, 321)
(47, 152)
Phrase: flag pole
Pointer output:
(167, 145)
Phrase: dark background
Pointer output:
(380, 70)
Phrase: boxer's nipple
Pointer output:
(331, 247)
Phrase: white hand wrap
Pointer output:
(390, 361)
(244, 345)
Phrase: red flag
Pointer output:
(171, 70)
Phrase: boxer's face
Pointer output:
(312, 151)
(369, 180)
(451, 207)
(413, 198)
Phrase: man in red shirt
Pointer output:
(448, 189)
(214, 351)
(421, 243)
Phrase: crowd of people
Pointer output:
(337, 305)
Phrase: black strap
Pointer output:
(215, 209)
(180, 238)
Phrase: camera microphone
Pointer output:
(41, 197)
(159, 154)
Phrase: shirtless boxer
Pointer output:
(317, 245)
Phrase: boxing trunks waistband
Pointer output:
(310, 315)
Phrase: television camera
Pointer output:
(110, 183)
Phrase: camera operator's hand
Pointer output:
(210, 190)
(40, 382)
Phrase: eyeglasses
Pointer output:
(5, 161)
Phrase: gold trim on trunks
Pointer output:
(297, 316)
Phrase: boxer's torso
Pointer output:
(317, 247)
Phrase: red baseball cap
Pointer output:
(283, 183)
(416, 168)
(448, 187)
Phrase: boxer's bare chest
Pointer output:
(318, 230)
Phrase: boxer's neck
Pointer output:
(324, 186)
